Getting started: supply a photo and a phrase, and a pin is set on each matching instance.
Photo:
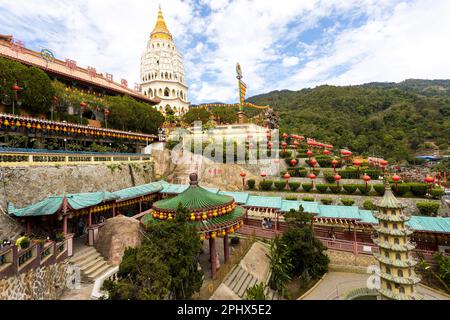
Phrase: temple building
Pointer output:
(398, 279)
(162, 71)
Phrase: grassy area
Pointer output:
(297, 287)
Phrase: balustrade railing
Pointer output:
(26, 255)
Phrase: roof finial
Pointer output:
(193, 177)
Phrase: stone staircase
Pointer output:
(239, 280)
(9, 228)
(91, 263)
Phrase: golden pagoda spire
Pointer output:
(160, 31)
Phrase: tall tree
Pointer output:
(196, 114)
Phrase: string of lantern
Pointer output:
(13, 121)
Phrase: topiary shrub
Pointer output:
(418, 189)
(369, 205)
(265, 185)
(280, 185)
(437, 193)
(322, 188)
(363, 189)
(294, 185)
(401, 189)
(288, 154)
(306, 187)
(379, 188)
(316, 171)
(350, 188)
(309, 199)
(251, 184)
(335, 188)
(326, 201)
(24, 243)
(427, 208)
(303, 173)
(347, 201)
(329, 176)
(291, 198)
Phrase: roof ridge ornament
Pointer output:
(193, 179)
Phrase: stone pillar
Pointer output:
(226, 249)
(212, 254)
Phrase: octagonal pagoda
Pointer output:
(212, 214)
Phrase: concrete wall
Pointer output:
(45, 283)
(26, 185)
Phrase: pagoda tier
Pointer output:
(212, 214)
(398, 278)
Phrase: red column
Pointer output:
(65, 225)
(212, 254)
(29, 226)
(140, 206)
(90, 217)
(226, 249)
(354, 240)
(114, 209)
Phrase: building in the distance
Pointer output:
(162, 70)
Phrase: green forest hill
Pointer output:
(394, 120)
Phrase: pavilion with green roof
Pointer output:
(213, 215)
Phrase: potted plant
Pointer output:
(60, 237)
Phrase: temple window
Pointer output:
(388, 270)
(385, 224)
(395, 226)
(401, 290)
(400, 273)
(388, 286)
(397, 256)
(166, 92)
(396, 241)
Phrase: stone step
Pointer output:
(99, 272)
(91, 262)
(95, 267)
(243, 290)
(237, 282)
(232, 275)
(82, 255)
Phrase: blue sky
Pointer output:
(280, 44)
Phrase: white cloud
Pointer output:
(290, 61)
(400, 39)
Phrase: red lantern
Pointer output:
(269, 144)
(334, 163)
(263, 175)
(337, 178)
(312, 176)
(285, 135)
(366, 179)
(287, 176)
(309, 153)
(429, 179)
(83, 104)
(243, 175)
(326, 152)
(396, 179)
(15, 88)
(293, 162)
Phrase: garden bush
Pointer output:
(294, 185)
(379, 188)
(288, 154)
(309, 199)
(306, 187)
(419, 189)
(265, 185)
(328, 175)
(297, 172)
(251, 184)
(350, 188)
(437, 193)
(291, 198)
(363, 189)
(347, 201)
(369, 205)
(326, 201)
(316, 171)
(24, 243)
(402, 189)
(324, 162)
(335, 188)
(428, 208)
(280, 185)
(322, 188)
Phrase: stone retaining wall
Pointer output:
(343, 258)
(25, 185)
(46, 283)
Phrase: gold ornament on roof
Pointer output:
(160, 31)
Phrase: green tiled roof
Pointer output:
(434, 224)
(209, 224)
(53, 204)
(194, 197)
(138, 191)
(308, 206)
(340, 212)
(263, 202)
(239, 197)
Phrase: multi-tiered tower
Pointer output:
(162, 70)
(398, 278)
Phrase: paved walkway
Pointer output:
(335, 285)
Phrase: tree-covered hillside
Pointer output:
(394, 121)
